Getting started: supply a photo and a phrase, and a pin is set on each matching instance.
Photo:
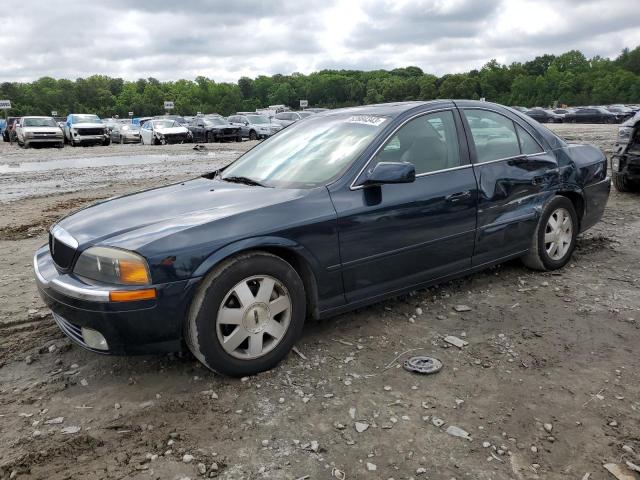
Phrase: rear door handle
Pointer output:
(456, 197)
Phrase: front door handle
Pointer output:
(456, 197)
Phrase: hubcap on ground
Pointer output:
(254, 317)
(558, 234)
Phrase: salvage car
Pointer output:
(162, 132)
(213, 128)
(82, 129)
(8, 134)
(591, 115)
(125, 133)
(625, 162)
(287, 118)
(544, 116)
(254, 126)
(333, 213)
(39, 131)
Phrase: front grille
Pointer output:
(44, 134)
(69, 329)
(175, 137)
(61, 253)
(90, 131)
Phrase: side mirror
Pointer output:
(246, 124)
(390, 172)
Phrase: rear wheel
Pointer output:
(238, 138)
(247, 314)
(253, 135)
(554, 239)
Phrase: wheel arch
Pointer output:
(291, 252)
(577, 199)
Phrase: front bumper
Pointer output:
(90, 138)
(44, 140)
(137, 327)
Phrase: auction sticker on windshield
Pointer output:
(367, 119)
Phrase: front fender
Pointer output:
(255, 243)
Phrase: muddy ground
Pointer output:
(543, 348)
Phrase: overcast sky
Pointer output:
(226, 39)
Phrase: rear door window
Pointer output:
(528, 146)
(494, 135)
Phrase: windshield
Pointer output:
(257, 119)
(85, 119)
(39, 122)
(131, 127)
(164, 124)
(215, 121)
(310, 153)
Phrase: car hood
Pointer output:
(133, 221)
(171, 130)
(88, 125)
(42, 129)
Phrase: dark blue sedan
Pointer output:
(341, 210)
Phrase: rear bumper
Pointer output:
(595, 198)
(137, 327)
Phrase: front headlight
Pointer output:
(112, 265)
(28, 134)
(624, 134)
(615, 164)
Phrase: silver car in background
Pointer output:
(39, 130)
(254, 126)
(287, 118)
(125, 133)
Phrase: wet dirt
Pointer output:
(543, 348)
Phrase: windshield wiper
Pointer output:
(244, 180)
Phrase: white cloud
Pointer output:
(225, 40)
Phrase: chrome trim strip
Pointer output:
(420, 114)
(523, 156)
(63, 236)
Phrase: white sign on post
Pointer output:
(54, 113)
(131, 114)
(5, 104)
(168, 105)
(304, 103)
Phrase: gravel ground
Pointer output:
(548, 386)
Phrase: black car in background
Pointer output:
(544, 116)
(591, 115)
(213, 129)
(625, 162)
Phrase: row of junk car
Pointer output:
(89, 129)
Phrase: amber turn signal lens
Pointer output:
(132, 295)
(133, 272)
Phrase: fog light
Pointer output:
(615, 164)
(94, 339)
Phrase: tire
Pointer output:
(206, 329)
(61, 145)
(121, 139)
(238, 138)
(208, 137)
(253, 135)
(622, 182)
(538, 257)
(107, 142)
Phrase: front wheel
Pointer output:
(622, 182)
(247, 314)
(555, 235)
(253, 135)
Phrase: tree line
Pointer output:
(569, 78)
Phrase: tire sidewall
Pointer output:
(554, 204)
(205, 338)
